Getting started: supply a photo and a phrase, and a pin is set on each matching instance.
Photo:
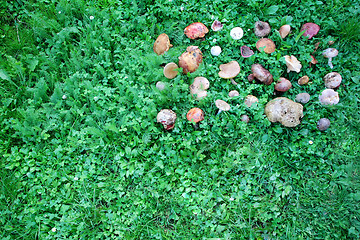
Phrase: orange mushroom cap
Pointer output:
(195, 115)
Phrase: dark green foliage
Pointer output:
(81, 154)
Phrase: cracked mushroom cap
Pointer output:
(169, 70)
(162, 44)
(332, 80)
(222, 105)
(229, 70)
(267, 43)
(196, 30)
(292, 63)
(195, 115)
(285, 111)
(190, 60)
(329, 97)
(167, 118)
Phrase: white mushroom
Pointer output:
(222, 106)
(199, 87)
(236, 33)
(329, 97)
(292, 63)
(330, 53)
(215, 50)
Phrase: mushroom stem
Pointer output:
(219, 112)
(330, 63)
(233, 82)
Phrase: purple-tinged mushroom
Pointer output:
(329, 97)
(216, 26)
(246, 51)
(311, 29)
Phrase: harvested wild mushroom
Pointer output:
(329, 97)
(250, 100)
(160, 85)
(330, 53)
(162, 44)
(196, 30)
(261, 74)
(189, 61)
(229, 70)
(216, 26)
(199, 87)
(222, 106)
(215, 50)
(244, 118)
(169, 70)
(311, 29)
(284, 30)
(332, 80)
(236, 33)
(303, 80)
(323, 124)
(233, 93)
(302, 97)
(267, 43)
(167, 118)
(285, 111)
(292, 63)
(262, 29)
(246, 51)
(195, 115)
(283, 85)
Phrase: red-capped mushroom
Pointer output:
(196, 30)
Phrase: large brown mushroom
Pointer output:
(285, 111)
(169, 70)
(162, 44)
(311, 29)
(267, 43)
(229, 70)
(190, 60)
(261, 74)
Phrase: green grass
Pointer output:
(96, 165)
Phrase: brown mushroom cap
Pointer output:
(233, 93)
(222, 105)
(196, 30)
(332, 80)
(195, 115)
(284, 30)
(303, 80)
(311, 29)
(162, 44)
(229, 70)
(250, 100)
(283, 85)
(167, 118)
(169, 70)
(190, 60)
(329, 97)
(262, 29)
(261, 74)
(267, 43)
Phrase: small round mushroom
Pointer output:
(329, 97)
(216, 26)
(190, 60)
(332, 80)
(311, 29)
(262, 29)
(161, 85)
(236, 33)
(222, 106)
(267, 43)
(162, 44)
(233, 93)
(284, 30)
(229, 70)
(302, 98)
(195, 115)
(196, 30)
(323, 124)
(215, 50)
(250, 100)
(169, 70)
(167, 118)
(330, 53)
(303, 80)
(244, 118)
(199, 87)
(261, 74)
(246, 51)
(283, 85)
(292, 63)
